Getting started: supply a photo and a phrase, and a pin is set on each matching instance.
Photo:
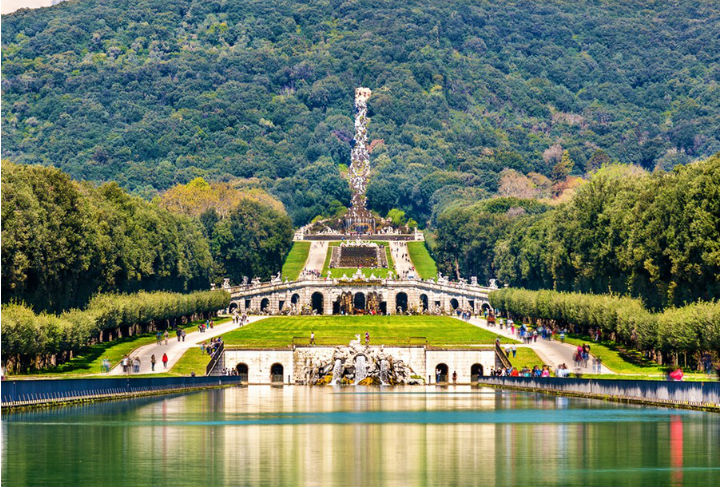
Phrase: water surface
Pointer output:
(266, 436)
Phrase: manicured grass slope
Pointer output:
(193, 360)
(295, 261)
(339, 330)
(526, 357)
(422, 261)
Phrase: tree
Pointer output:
(562, 169)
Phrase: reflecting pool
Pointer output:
(289, 436)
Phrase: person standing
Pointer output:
(152, 362)
(454, 377)
(312, 338)
(164, 360)
(166, 336)
(183, 335)
(367, 338)
(514, 350)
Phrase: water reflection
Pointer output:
(348, 436)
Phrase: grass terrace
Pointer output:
(295, 261)
(420, 257)
(339, 330)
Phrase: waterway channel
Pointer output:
(289, 436)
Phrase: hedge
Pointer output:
(39, 339)
(691, 328)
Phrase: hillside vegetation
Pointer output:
(153, 93)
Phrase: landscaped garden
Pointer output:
(379, 272)
(339, 330)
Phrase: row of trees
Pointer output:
(652, 236)
(164, 92)
(32, 339)
(64, 241)
(693, 328)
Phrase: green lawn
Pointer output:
(295, 260)
(193, 360)
(349, 271)
(339, 330)
(89, 360)
(526, 357)
(619, 360)
(422, 261)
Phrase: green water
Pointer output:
(356, 437)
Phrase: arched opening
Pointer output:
(401, 302)
(424, 302)
(383, 307)
(485, 307)
(359, 302)
(454, 303)
(372, 303)
(264, 304)
(295, 299)
(317, 302)
(476, 371)
(233, 307)
(344, 304)
(441, 373)
(276, 373)
(242, 371)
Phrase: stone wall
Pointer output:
(423, 362)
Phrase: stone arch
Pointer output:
(344, 303)
(372, 304)
(441, 373)
(276, 373)
(295, 299)
(359, 302)
(401, 301)
(317, 301)
(454, 304)
(242, 371)
(233, 307)
(476, 371)
(486, 306)
(264, 304)
(424, 302)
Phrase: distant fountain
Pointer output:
(337, 371)
(359, 219)
(384, 371)
(360, 368)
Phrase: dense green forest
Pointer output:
(655, 236)
(154, 93)
(64, 241)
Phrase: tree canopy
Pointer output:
(152, 94)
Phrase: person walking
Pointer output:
(312, 338)
(367, 338)
(514, 350)
(454, 377)
(166, 336)
(164, 360)
(152, 362)
(183, 335)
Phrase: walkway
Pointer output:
(551, 352)
(401, 257)
(316, 257)
(175, 349)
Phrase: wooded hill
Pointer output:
(152, 93)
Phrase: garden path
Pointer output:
(316, 256)
(401, 257)
(175, 349)
(552, 352)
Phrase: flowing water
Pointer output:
(356, 436)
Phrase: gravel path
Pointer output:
(316, 256)
(175, 349)
(551, 352)
(401, 257)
